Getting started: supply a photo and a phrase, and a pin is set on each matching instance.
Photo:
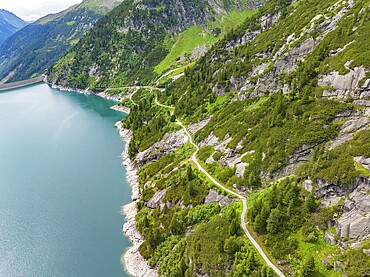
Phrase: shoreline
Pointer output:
(101, 94)
(131, 259)
(21, 84)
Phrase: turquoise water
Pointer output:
(62, 185)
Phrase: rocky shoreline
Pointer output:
(134, 263)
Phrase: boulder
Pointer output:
(366, 251)
(330, 238)
(240, 169)
(214, 197)
(355, 221)
(307, 185)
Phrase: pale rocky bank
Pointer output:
(134, 263)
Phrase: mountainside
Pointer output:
(139, 40)
(9, 24)
(31, 50)
(276, 113)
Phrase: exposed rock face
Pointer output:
(346, 85)
(363, 161)
(330, 238)
(334, 190)
(170, 143)
(198, 126)
(349, 128)
(240, 169)
(268, 20)
(302, 154)
(307, 185)
(355, 221)
(214, 197)
(132, 259)
(156, 200)
(288, 57)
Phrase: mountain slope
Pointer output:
(129, 44)
(279, 113)
(9, 24)
(31, 50)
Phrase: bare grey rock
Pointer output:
(349, 128)
(355, 221)
(338, 265)
(330, 238)
(340, 140)
(302, 154)
(307, 185)
(210, 160)
(193, 128)
(364, 162)
(240, 169)
(355, 125)
(170, 143)
(198, 52)
(268, 20)
(330, 201)
(345, 85)
(156, 200)
(214, 197)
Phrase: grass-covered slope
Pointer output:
(139, 40)
(31, 50)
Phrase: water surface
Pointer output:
(62, 185)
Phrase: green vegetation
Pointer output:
(337, 165)
(275, 129)
(149, 121)
(283, 217)
(42, 43)
(266, 111)
(144, 40)
(196, 36)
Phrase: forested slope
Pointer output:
(279, 108)
(137, 41)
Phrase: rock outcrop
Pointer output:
(156, 200)
(214, 197)
(350, 84)
(170, 143)
(132, 259)
(355, 221)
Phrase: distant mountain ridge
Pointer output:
(9, 24)
(30, 51)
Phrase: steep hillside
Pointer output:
(276, 114)
(9, 24)
(31, 50)
(139, 40)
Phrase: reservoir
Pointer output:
(62, 185)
